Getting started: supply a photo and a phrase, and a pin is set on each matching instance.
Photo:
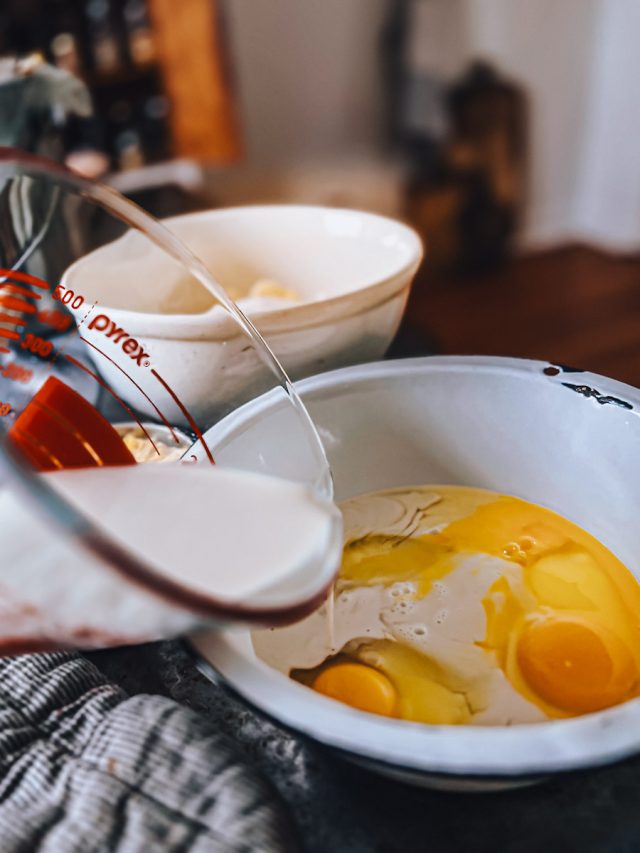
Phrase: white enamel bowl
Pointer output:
(568, 440)
(351, 270)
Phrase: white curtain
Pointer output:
(579, 62)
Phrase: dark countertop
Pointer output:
(339, 807)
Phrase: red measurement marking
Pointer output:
(36, 345)
(8, 287)
(17, 304)
(24, 276)
(4, 349)
(108, 388)
(9, 333)
(55, 319)
(164, 420)
(68, 297)
(194, 426)
(81, 323)
(16, 373)
(14, 321)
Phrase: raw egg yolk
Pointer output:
(359, 686)
(575, 664)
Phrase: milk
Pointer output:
(193, 540)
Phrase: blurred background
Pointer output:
(504, 131)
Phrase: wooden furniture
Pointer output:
(575, 305)
(191, 53)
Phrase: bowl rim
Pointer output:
(293, 317)
(491, 752)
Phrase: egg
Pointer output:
(460, 606)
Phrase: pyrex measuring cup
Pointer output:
(116, 525)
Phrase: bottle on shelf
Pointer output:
(103, 39)
(129, 149)
(139, 33)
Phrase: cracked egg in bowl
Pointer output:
(461, 606)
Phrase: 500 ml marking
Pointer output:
(68, 297)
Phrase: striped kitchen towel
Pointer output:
(84, 768)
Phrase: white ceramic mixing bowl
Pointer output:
(564, 439)
(351, 270)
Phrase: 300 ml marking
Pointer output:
(36, 345)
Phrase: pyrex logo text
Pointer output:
(129, 345)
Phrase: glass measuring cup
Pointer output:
(117, 345)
